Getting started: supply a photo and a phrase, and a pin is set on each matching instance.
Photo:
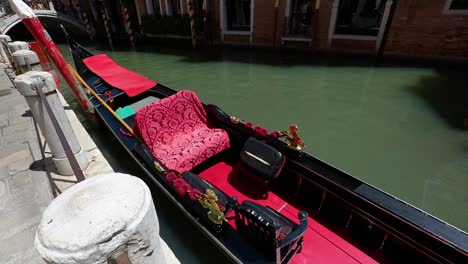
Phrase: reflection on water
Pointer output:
(397, 125)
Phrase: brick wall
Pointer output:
(420, 28)
(264, 22)
(240, 39)
(215, 20)
(353, 44)
(323, 23)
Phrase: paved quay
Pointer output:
(24, 192)
(28, 178)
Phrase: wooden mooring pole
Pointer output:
(105, 19)
(128, 26)
(88, 26)
(192, 22)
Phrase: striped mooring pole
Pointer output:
(192, 22)
(128, 26)
(88, 26)
(106, 26)
(205, 21)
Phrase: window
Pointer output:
(459, 5)
(359, 17)
(198, 16)
(456, 7)
(238, 15)
(299, 21)
(173, 7)
(156, 6)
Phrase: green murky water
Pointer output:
(397, 125)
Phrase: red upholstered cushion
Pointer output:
(175, 130)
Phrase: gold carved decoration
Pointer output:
(291, 135)
(209, 200)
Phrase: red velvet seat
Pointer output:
(176, 131)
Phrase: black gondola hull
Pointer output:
(367, 212)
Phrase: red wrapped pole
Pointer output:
(34, 26)
(45, 63)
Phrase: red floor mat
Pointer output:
(130, 82)
(320, 244)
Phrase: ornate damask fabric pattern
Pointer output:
(175, 130)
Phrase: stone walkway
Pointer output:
(28, 178)
(24, 192)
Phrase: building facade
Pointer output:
(415, 27)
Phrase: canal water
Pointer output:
(396, 124)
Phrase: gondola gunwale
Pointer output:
(282, 146)
(297, 160)
(173, 199)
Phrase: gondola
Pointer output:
(257, 195)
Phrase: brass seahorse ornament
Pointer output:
(209, 200)
(291, 135)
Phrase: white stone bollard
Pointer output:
(4, 55)
(18, 45)
(26, 84)
(5, 38)
(94, 218)
(4, 51)
(26, 60)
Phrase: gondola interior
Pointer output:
(243, 185)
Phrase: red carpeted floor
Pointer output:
(320, 244)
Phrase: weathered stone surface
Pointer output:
(12, 129)
(11, 149)
(19, 180)
(18, 137)
(15, 245)
(73, 229)
(97, 164)
(18, 220)
(4, 172)
(3, 116)
(38, 177)
(20, 165)
(30, 256)
(3, 123)
(36, 146)
(20, 120)
(3, 190)
(20, 198)
(25, 192)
